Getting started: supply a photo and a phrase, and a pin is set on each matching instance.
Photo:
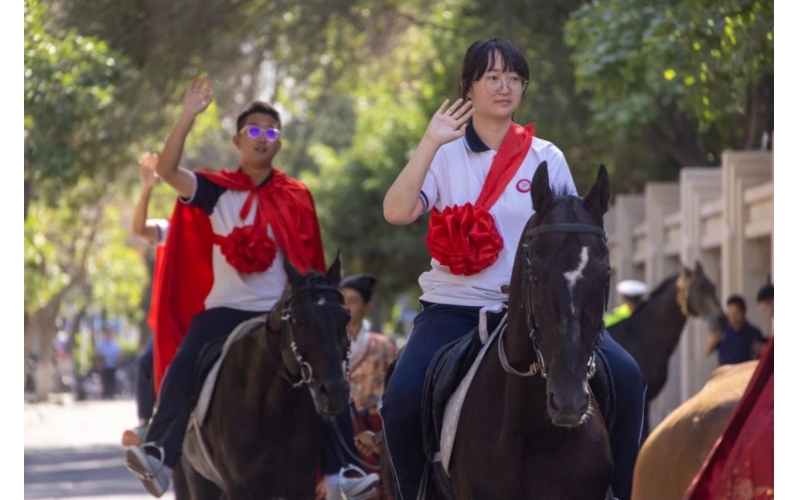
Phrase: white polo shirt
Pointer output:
(257, 292)
(456, 176)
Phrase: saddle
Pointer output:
(208, 365)
(441, 405)
(206, 360)
(206, 371)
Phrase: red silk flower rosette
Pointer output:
(464, 238)
(249, 250)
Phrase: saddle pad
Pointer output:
(204, 399)
(453, 407)
(445, 371)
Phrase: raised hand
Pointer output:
(198, 96)
(147, 170)
(447, 126)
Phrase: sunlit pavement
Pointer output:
(73, 451)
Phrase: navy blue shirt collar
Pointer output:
(474, 142)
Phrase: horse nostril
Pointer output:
(551, 399)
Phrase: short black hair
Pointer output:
(739, 301)
(361, 283)
(480, 57)
(766, 293)
(256, 107)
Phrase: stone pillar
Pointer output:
(662, 199)
(698, 186)
(627, 212)
(745, 262)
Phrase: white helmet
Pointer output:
(631, 288)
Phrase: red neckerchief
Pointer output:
(465, 238)
(186, 276)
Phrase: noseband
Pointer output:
(531, 234)
(306, 376)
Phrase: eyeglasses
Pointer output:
(254, 131)
(494, 84)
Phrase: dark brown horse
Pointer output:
(529, 426)
(652, 332)
(262, 428)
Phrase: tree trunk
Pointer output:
(30, 341)
(42, 327)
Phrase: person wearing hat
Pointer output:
(631, 292)
(370, 356)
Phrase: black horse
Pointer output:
(530, 428)
(263, 424)
(652, 332)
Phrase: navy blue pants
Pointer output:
(171, 419)
(145, 392)
(438, 325)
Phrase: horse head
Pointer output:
(565, 278)
(697, 296)
(312, 321)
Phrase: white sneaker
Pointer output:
(357, 488)
(155, 476)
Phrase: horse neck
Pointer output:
(518, 343)
(264, 380)
(660, 319)
(522, 392)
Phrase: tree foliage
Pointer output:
(73, 243)
(703, 66)
(642, 88)
(71, 91)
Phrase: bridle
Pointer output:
(288, 320)
(530, 235)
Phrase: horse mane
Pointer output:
(656, 292)
(315, 278)
(562, 190)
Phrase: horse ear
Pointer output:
(600, 194)
(698, 267)
(293, 275)
(541, 193)
(335, 271)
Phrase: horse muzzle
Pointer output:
(567, 408)
(332, 396)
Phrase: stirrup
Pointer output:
(142, 474)
(358, 495)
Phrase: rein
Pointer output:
(538, 366)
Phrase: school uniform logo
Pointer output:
(524, 186)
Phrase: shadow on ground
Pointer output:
(96, 471)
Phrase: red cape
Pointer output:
(741, 463)
(185, 275)
(158, 266)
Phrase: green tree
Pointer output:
(71, 113)
(693, 77)
(76, 251)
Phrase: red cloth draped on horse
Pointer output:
(741, 463)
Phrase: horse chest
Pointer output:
(506, 460)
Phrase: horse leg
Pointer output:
(179, 483)
(193, 486)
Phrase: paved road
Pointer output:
(73, 451)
